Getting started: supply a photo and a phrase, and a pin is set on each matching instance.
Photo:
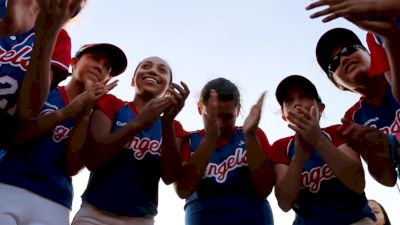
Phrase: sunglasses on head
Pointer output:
(345, 51)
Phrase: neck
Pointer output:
(140, 101)
(374, 89)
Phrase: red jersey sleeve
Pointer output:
(265, 145)
(332, 132)
(379, 60)
(279, 151)
(62, 51)
(179, 131)
(109, 104)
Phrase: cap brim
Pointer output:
(118, 58)
(295, 81)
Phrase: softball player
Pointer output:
(318, 175)
(131, 148)
(226, 175)
(35, 176)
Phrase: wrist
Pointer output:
(394, 145)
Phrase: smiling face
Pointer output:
(93, 66)
(152, 77)
(352, 72)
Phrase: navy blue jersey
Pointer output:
(39, 166)
(127, 185)
(15, 53)
(226, 194)
(384, 115)
(322, 199)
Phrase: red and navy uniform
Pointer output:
(127, 185)
(39, 165)
(15, 53)
(322, 199)
(384, 115)
(226, 194)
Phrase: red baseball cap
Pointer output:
(118, 58)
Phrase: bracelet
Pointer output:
(394, 144)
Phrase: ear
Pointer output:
(238, 110)
(133, 84)
(200, 108)
(321, 107)
(74, 61)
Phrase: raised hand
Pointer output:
(55, 13)
(100, 88)
(178, 95)
(251, 123)
(306, 124)
(365, 139)
(210, 116)
(152, 111)
(348, 9)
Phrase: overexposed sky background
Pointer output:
(254, 43)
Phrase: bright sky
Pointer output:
(253, 43)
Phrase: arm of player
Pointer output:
(261, 169)
(193, 170)
(344, 162)
(35, 127)
(288, 176)
(373, 145)
(104, 144)
(19, 18)
(77, 142)
(392, 47)
(53, 15)
(171, 156)
(355, 9)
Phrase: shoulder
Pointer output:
(110, 105)
(332, 133)
(349, 114)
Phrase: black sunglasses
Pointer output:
(345, 51)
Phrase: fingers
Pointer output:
(260, 101)
(316, 4)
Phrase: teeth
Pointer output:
(150, 79)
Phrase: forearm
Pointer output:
(261, 169)
(76, 145)
(38, 77)
(102, 149)
(287, 189)
(389, 7)
(193, 170)
(34, 127)
(19, 18)
(170, 154)
(392, 46)
(347, 170)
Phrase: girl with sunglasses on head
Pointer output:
(318, 175)
(348, 64)
(226, 174)
(382, 19)
(131, 146)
